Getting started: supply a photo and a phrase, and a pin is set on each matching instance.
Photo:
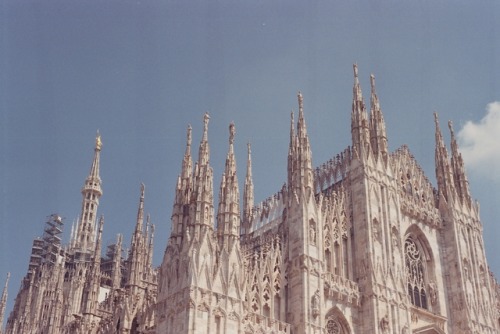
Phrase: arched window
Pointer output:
(415, 273)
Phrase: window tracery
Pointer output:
(415, 273)
(333, 327)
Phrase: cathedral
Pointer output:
(363, 243)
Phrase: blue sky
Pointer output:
(141, 71)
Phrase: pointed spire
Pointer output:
(248, 195)
(93, 279)
(301, 123)
(457, 163)
(187, 163)
(443, 170)
(140, 211)
(204, 152)
(357, 94)
(203, 182)
(149, 260)
(299, 156)
(98, 248)
(91, 192)
(117, 260)
(137, 245)
(374, 98)
(359, 119)
(291, 150)
(228, 216)
(378, 134)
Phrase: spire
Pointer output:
(291, 150)
(3, 301)
(299, 155)
(301, 124)
(248, 195)
(94, 278)
(203, 182)
(137, 245)
(91, 192)
(140, 212)
(378, 135)
(149, 259)
(187, 163)
(457, 164)
(359, 119)
(357, 95)
(98, 247)
(443, 170)
(228, 216)
(117, 260)
(204, 152)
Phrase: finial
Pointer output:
(143, 188)
(98, 142)
(189, 137)
(355, 68)
(436, 120)
(232, 132)
(450, 126)
(249, 147)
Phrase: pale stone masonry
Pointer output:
(362, 244)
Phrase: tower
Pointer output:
(304, 231)
(466, 275)
(91, 192)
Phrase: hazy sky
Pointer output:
(141, 71)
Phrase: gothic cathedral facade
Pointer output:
(364, 243)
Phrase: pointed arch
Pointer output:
(419, 268)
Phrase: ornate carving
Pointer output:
(315, 304)
(333, 326)
(384, 324)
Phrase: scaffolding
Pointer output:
(52, 232)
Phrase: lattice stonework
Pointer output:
(415, 274)
(333, 327)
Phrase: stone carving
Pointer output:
(384, 324)
(315, 304)
(433, 292)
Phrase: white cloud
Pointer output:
(480, 143)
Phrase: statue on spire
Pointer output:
(232, 132)
(301, 101)
(206, 118)
(450, 126)
(98, 142)
(189, 136)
